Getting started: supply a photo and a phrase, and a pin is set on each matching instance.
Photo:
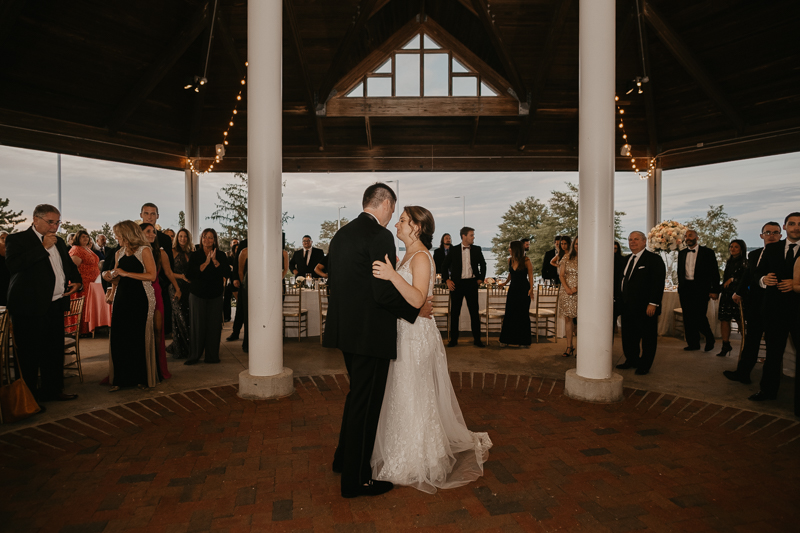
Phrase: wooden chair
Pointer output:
(294, 316)
(546, 312)
(441, 309)
(324, 294)
(492, 316)
(72, 339)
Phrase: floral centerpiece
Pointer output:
(488, 283)
(666, 239)
(298, 281)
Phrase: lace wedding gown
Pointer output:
(422, 440)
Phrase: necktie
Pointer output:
(790, 255)
(629, 270)
(306, 256)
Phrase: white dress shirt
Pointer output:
(58, 269)
(691, 261)
(466, 264)
(635, 259)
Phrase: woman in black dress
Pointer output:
(181, 341)
(516, 328)
(208, 269)
(735, 270)
(132, 344)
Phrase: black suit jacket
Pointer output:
(706, 270)
(773, 262)
(362, 309)
(549, 271)
(109, 264)
(297, 262)
(438, 258)
(453, 263)
(646, 284)
(748, 287)
(30, 290)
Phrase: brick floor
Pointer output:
(207, 460)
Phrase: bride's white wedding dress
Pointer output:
(422, 440)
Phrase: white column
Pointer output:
(192, 204)
(653, 200)
(266, 376)
(593, 379)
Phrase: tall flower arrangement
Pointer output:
(666, 239)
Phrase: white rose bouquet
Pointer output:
(667, 236)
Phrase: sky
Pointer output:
(93, 192)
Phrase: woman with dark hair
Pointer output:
(208, 269)
(89, 267)
(422, 440)
(162, 263)
(563, 250)
(568, 299)
(735, 270)
(181, 250)
(516, 327)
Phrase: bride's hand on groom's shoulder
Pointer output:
(383, 270)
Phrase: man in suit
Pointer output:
(306, 259)
(362, 322)
(750, 294)
(241, 307)
(43, 277)
(149, 214)
(781, 306)
(465, 269)
(99, 247)
(641, 289)
(549, 271)
(698, 280)
(109, 263)
(440, 254)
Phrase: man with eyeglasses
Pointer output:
(750, 294)
(42, 279)
(781, 305)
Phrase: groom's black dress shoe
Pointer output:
(479, 344)
(761, 396)
(733, 376)
(374, 488)
(451, 344)
(336, 466)
(626, 365)
(709, 346)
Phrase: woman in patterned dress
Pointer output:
(568, 301)
(181, 339)
(162, 263)
(89, 267)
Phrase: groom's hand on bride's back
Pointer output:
(426, 311)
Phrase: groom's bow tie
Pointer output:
(692, 251)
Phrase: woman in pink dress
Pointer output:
(89, 267)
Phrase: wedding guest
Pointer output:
(464, 270)
(241, 314)
(526, 244)
(549, 271)
(169, 232)
(108, 264)
(230, 289)
(88, 266)
(162, 266)
(698, 280)
(750, 294)
(181, 250)
(564, 246)
(149, 214)
(99, 247)
(321, 268)
(208, 269)
(306, 259)
(241, 304)
(42, 280)
(568, 299)
(133, 359)
(70, 240)
(642, 288)
(735, 271)
(781, 303)
(440, 254)
(516, 328)
(5, 275)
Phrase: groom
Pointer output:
(362, 322)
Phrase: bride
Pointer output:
(422, 440)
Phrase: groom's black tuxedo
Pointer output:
(362, 322)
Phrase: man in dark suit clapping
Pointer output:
(781, 306)
(642, 288)
(465, 269)
(698, 280)
(306, 259)
(43, 277)
(750, 294)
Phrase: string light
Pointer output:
(625, 151)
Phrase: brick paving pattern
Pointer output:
(206, 460)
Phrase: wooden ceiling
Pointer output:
(106, 80)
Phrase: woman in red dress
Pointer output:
(89, 267)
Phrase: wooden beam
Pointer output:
(230, 46)
(474, 131)
(10, 10)
(422, 107)
(345, 50)
(685, 57)
(543, 71)
(288, 11)
(512, 74)
(369, 132)
(155, 72)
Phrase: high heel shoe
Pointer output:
(568, 352)
(726, 349)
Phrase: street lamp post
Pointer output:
(463, 210)
(339, 218)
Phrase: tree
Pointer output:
(563, 207)
(181, 219)
(327, 230)
(523, 219)
(716, 231)
(9, 218)
(68, 227)
(107, 231)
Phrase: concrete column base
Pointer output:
(593, 390)
(266, 387)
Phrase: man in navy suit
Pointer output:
(43, 277)
(698, 280)
(463, 270)
(642, 288)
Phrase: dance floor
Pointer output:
(206, 460)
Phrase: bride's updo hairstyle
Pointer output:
(423, 219)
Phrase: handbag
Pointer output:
(17, 402)
(110, 292)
